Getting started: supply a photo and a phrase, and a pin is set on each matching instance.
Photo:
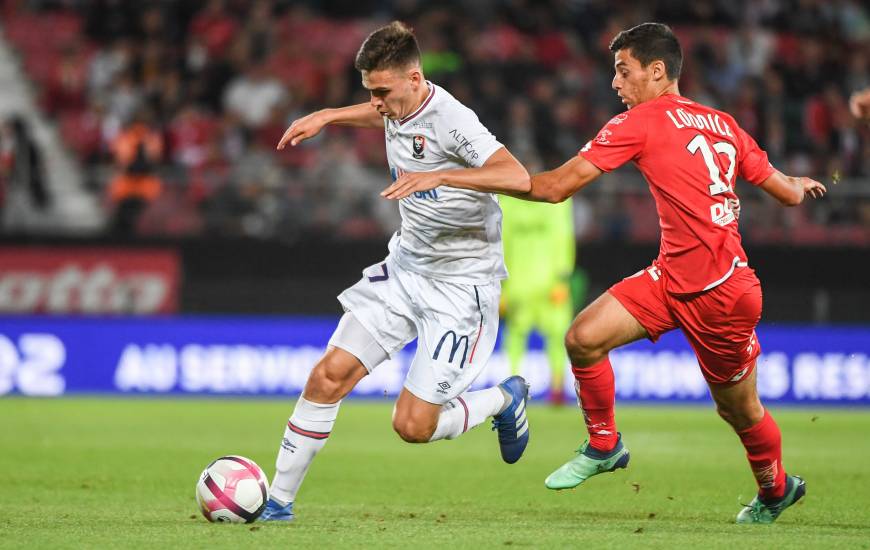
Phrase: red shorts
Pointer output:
(719, 323)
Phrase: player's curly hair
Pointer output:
(390, 47)
(649, 42)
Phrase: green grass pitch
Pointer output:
(105, 473)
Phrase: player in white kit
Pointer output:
(440, 282)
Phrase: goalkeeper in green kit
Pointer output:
(539, 254)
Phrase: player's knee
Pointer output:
(412, 431)
(582, 346)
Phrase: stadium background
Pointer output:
(154, 242)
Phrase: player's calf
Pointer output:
(305, 434)
(468, 410)
(596, 395)
(309, 427)
(743, 418)
(333, 377)
(738, 404)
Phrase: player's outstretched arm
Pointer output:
(561, 183)
(790, 190)
(362, 115)
(501, 173)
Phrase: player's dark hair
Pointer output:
(650, 42)
(390, 47)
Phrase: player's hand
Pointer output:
(859, 104)
(412, 182)
(302, 129)
(812, 188)
(734, 205)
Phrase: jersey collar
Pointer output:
(422, 105)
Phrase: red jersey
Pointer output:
(689, 155)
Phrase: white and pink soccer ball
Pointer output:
(232, 489)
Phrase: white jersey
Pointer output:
(447, 233)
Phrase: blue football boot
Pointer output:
(511, 423)
(277, 512)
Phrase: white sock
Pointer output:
(467, 411)
(304, 436)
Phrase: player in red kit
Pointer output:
(701, 282)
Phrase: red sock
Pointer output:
(763, 443)
(597, 393)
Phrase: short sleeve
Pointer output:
(752, 162)
(467, 139)
(622, 139)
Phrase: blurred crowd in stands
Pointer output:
(174, 107)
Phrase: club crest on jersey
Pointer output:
(418, 142)
(602, 137)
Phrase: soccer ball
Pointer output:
(232, 489)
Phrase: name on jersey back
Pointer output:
(708, 121)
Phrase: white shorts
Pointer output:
(456, 326)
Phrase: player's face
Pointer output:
(393, 91)
(632, 80)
